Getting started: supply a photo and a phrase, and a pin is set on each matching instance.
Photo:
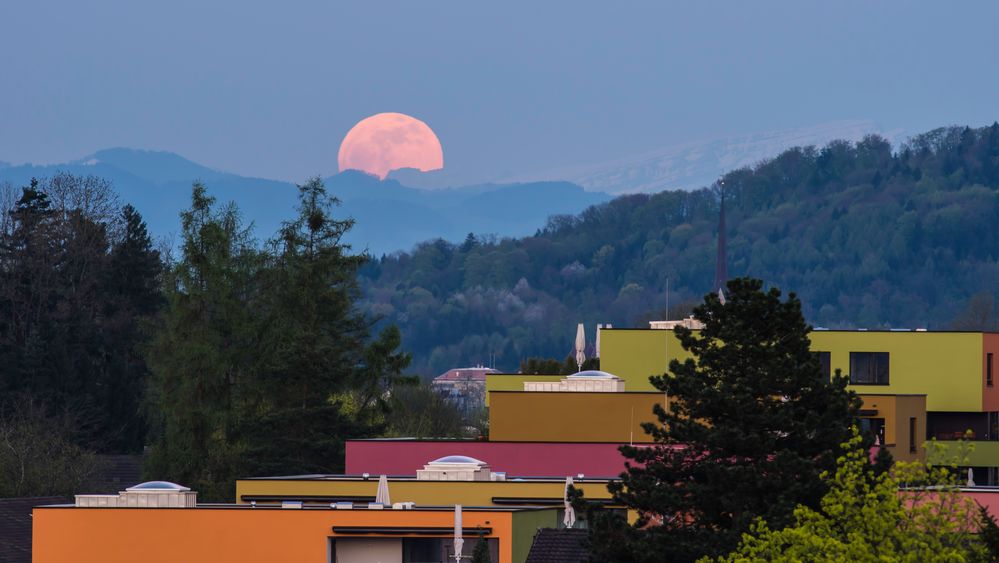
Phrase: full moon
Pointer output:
(390, 141)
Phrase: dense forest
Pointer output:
(232, 357)
(867, 236)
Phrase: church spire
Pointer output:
(721, 267)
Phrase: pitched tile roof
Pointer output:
(558, 546)
(15, 526)
(465, 374)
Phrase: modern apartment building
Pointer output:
(162, 523)
(954, 371)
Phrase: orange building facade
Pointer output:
(212, 534)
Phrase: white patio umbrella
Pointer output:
(382, 496)
(580, 346)
(458, 541)
(971, 478)
(570, 514)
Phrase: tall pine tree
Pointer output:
(314, 348)
(257, 348)
(132, 297)
(201, 354)
(751, 426)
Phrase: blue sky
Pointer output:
(270, 88)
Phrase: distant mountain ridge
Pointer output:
(699, 163)
(389, 215)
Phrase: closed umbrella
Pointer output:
(580, 345)
(570, 514)
(382, 496)
(873, 452)
(458, 541)
(971, 478)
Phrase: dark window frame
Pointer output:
(825, 363)
(876, 425)
(875, 365)
(912, 434)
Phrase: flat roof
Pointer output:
(233, 506)
(373, 478)
(547, 393)
(823, 329)
(893, 394)
(474, 441)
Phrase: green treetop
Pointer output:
(861, 519)
(752, 425)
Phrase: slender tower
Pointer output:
(721, 268)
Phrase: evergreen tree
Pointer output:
(751, 427)
(988, 533)
(481, 552)
(132, 296)
(863, 520)
(29, 292)
(201, 353)
(470, 243)
(68, 334)
(314, 347)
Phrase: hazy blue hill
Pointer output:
(526, 203)
(156, 166)
(390, 216)
(385, 209)
(866, 235)
(158, 184)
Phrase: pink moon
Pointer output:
(390, 141)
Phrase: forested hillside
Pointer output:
(867, 235)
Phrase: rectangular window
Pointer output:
(875, 426)
(869, 368)
(988, 369)
(912, 434)
(825, 364)
(421, 550)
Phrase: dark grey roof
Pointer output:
(117, 473)
(15, 526)
(558, 546)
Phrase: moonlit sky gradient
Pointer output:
(269, 88)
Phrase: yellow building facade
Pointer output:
(953, 372)
(526, 416)
(353, 488)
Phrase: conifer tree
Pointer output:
(132, 296)
(864, 519)
(77, 272)
(314, 347)
(481, 552)
(751, 427)
(200, 355)
(988, 533)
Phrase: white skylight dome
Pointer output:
(458, 459)
(151, 494)
(149, 486)
(589, 381)
(458, 468)
(594, 374)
